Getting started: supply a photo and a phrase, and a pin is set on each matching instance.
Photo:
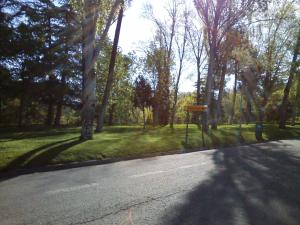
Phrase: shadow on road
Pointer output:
(256, 185)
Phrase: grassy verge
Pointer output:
(42, 147)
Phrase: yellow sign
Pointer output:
(196, 108)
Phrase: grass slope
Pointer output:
(42, 147)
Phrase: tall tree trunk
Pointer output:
(89, 76)
(221, 90)
(209, 88)
(198, 82)
(266, 95)
(198, 91)
(155, 114)
(51, 101)
(213, 112)
(197, 49)
(288, 86)
(249, 117)
(296, 103)
(1, 109)
(234, 92)
(144, 119)
(60, 102)
(110, 78)
(50, 113)
(111, 114)
(294, 115)
(175, 99)
(181, 54)
(58, 114)
(59, 107)
(21, 111)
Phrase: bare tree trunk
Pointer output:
(213, 113)
(294, 115)
(89, 76)
(209, 89)
(58, 114)
(234, 93)
(288, 86)
(60, 102)
(295, 107)
(110, 78)
(144, 119)
(50, 113)
(51, 102)
(213, 107)
(21, 111)
(111, 114)
(175, 99)
(181, 54)
(197, 48)
(155, 114)
(221, 90)
(198, 82)
(1, 109)
(266, 94)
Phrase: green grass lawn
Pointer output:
(42, 147)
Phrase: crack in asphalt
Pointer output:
(133, 205)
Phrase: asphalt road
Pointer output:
(256, 184)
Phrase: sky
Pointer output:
(136, 30)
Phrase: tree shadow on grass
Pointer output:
(49, 151)
(30, 134)
(250, 185)
(46, 157)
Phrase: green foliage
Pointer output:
(142, 93)
(184, 100)
(39, 61)
(122, 89)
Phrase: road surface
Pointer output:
(255, 184)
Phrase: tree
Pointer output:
(233, 40)
(294, 65)
(296, 102)
(142, 95)
(197, 46)
(218, 17)
(181, 44)
(90, 52)
(160, 79)
(234, 91)
(163, 50)
(110, 77)
(40, 64)
(273, 45)
(120, 101)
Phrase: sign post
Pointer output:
(194, 108)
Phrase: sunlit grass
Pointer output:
(43, 147)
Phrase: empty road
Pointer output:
(255, 184)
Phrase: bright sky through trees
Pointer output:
(137, 30)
